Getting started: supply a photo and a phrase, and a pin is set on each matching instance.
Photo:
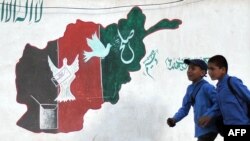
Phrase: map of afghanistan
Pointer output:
(80, 71)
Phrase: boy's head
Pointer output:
(197, 69)
(217, 67)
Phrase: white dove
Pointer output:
(64, 77)
(98, 49)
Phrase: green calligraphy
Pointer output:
(10, 10)
(178, 63)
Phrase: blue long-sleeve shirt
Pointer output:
(205, 105)
(234, 111)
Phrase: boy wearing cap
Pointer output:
(233, 105)
(202, 96)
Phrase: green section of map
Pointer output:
(127, 50)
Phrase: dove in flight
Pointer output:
(63, 78)
(98, 49)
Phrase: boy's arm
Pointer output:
(240, 88)
(214, 110)
(184, 110)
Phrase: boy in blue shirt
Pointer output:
(202, 96)
(233, 107)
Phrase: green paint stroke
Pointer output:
(127, 50)
(6, 11)
(178, 63)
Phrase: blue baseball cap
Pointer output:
(197, 62)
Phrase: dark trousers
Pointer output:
(208, 137)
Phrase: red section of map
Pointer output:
(87, 86)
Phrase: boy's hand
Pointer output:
(204, 121)
(171, 122)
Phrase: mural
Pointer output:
(81, 70)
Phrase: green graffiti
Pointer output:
(178, 63)
(127, 50)
(150, 62)
(10, 10)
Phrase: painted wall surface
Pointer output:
(122, 100)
